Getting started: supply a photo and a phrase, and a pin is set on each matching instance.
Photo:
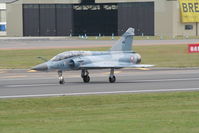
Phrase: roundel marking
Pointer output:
(132, 59)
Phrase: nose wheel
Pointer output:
(61, 78)
(112, 77)
(85, 76)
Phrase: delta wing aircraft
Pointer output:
(119, 56)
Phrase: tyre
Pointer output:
(112, 79)
(86, 79)
(61, 81)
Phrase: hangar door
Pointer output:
(31, 20)
(95, 19)
(47, 19)
(139, 15)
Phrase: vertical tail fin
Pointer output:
(125, 42)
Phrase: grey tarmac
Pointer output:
(36, 43)
(20, 83)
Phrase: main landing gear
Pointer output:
(61, 78)
(112, 77)
(85, 76)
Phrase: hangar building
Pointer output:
(94, 17)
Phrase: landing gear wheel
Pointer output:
(61, 80)
(85, 76)
(86, 79)
(112, 79)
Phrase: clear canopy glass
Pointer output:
(66, 55)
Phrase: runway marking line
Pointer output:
(31, 71)
(116, 72)
(98, 93)
(3, 71)
(158, 80)
(161, 80)
(36, 85)
(20, 76)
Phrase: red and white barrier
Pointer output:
(193, 48)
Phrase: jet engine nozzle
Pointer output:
(139, 58)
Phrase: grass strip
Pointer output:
(160, 55)
(176, 112)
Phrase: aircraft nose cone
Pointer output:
(40, 67)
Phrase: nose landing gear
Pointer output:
(61, 78)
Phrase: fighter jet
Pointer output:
(121, 55)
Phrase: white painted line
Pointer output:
(159, 80)
(33, 85)
(98, 93)
(162, 80)
(106, 73)
(19, 76)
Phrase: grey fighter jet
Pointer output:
(121, 55)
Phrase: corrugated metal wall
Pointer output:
(64, 19)
(47, 20)
(31, 20)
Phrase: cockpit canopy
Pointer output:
(69, 54)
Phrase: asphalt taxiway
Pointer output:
(20, 83)
(38, 43)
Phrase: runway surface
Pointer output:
(20, 83)
(71, 43)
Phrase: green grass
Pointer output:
(161, 56)
(139, 113)
(168, 56)
(12, 59)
